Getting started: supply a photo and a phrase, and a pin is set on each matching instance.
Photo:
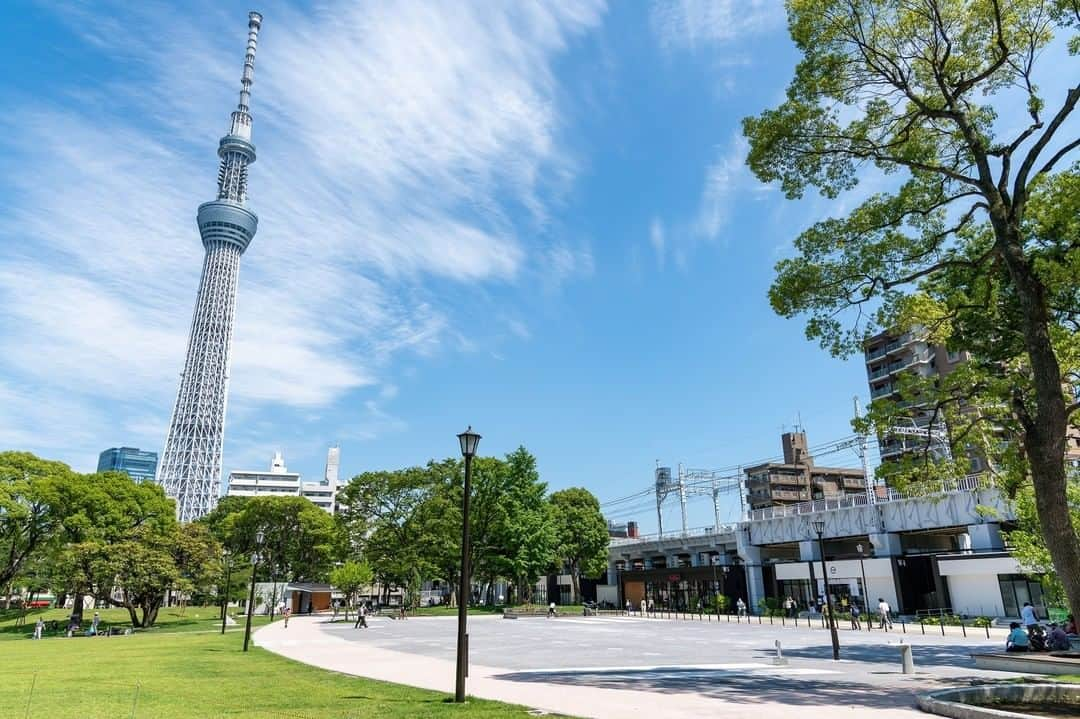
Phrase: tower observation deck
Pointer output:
(190, 468)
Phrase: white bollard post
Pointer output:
(906, 660)
(779, 659)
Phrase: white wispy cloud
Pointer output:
(694, 24)
(396, 142)
(725, 178)
(656, 239)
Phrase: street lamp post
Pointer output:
(469, 440)
(251, 593)
(819, 528)
(225, 599)
(865, 587)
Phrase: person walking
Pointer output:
(40, 627)
(644, 607)
(286, 612)
(628, 606)
(884, 611)
(361, 616)
(855, 617)
(551, 610)
(740, 607)
(789, 606)
(1027, 616)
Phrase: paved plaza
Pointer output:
(609, 665)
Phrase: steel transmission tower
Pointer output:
(190, 469)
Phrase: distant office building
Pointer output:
(136, 463)
(278, 481)
(797, 479)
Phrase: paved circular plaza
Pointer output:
(609, 665)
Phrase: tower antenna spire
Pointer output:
(190, 469)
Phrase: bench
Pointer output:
(516, 613)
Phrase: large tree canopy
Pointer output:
(27, 520)
(978, 242)
(581, 534)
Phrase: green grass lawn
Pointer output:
(169, 619)
(165, 674)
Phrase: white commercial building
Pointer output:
(280, 482)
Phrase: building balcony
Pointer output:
(882, 391)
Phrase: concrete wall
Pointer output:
(607, 593)
(976, 595)
(973, 583)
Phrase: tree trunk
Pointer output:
(77, 606)
(133, 615)
(575, 583)
(1044, 440)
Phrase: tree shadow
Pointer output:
(958, 656)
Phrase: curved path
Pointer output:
(620, 666)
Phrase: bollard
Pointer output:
(942, 626)
(987, 630)
(922, 626)
(779, 659)
(758, 619)
(963, 628)
(783, 623)
(906, 660)
(903, 626)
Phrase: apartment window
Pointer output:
(954, 357)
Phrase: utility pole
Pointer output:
(682, 497)
(870, 496)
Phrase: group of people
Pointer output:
(1028, 635)
(884, 611)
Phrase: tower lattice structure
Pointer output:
(190, 468)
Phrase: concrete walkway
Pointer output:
(633, 686)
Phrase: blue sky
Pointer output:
(531, 219)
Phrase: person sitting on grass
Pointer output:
(1017, 640)
(1057, 640)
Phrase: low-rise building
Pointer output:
(278, 481)
(798, 479)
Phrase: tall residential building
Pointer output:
(190, 468)
(136, 463)
(333, 466)
(797, 479)
(888, 355)
(278, 481)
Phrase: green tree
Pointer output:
(581, 533)
(298, 543)
(27, 519)
(970, 241)
(96, 512)
(141, 567)
(349, 579)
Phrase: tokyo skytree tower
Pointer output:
(190, 468)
